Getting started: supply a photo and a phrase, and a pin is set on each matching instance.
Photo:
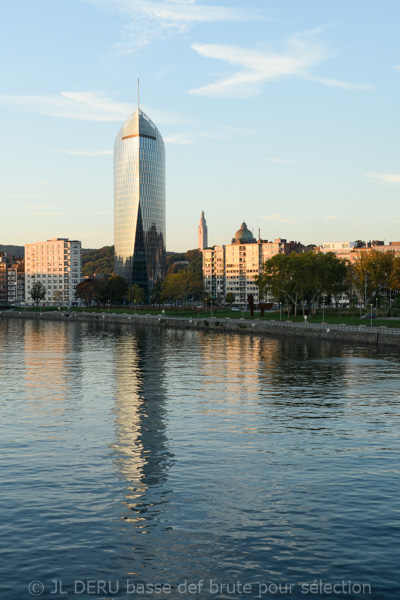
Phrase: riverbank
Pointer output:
(348, 333)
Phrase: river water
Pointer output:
(138, 463)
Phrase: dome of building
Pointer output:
(244, 235)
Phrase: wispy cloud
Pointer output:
(87, 152)
(299, 54)
(215, 135)
(84, 106)
(178, 138)
(149, 20)
(174, 13)
(383, 177)
(344, 85)
(278, 218)
(238, 129)
(397, 67)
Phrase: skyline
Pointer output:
(284, 118)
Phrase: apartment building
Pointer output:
(16, 281)
(12, 279)
(57, 264)
(232, 268)
(3, 278)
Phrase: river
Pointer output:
(139, 463)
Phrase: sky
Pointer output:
(281, 114)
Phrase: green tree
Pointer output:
(115, 289)
(90, 290)
(359, 276)
(394, 281)
(136, 294)
(277, 277)
(38, 292)
(302, 278)
(156, 292)
(58, 296)
(375, 269)
(178, 286)
(230, 298)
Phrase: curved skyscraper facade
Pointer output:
(139, 202)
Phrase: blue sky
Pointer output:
(284, 114)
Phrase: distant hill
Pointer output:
(17, 251)
(101, 260)
(98, 261)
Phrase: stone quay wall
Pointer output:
(346, 333)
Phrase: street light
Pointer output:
(108, 306)
(323, 309)
(371, 314)
(365, 291)
(280, 311)
(376, 300)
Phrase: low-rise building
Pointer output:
(352, 250)
(12, 280)
(57, 264)
(16, 281)
(341, 249)
(3, 278)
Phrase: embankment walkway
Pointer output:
(347, 333)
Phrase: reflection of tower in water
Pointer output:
(141, 447)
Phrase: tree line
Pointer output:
(305, 280)
(182, 281)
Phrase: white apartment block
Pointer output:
(57, 264)
(232, 268)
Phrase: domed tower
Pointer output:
(243, 236)
(139, 202)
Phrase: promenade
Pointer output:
(380, 335)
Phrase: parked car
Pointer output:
(369, 316)
(235, 309)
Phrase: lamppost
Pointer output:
(323, 309)
(371, 314)
(108, 306)
(280, 311)
(376, 300)
(365, 291)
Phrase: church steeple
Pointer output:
(202, 233)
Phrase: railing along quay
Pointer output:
(358, 333)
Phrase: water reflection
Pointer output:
(178, 455)
(141, 451)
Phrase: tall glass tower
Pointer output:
(139, 202)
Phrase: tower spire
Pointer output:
(138, 94)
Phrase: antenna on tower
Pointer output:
(138, 93)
